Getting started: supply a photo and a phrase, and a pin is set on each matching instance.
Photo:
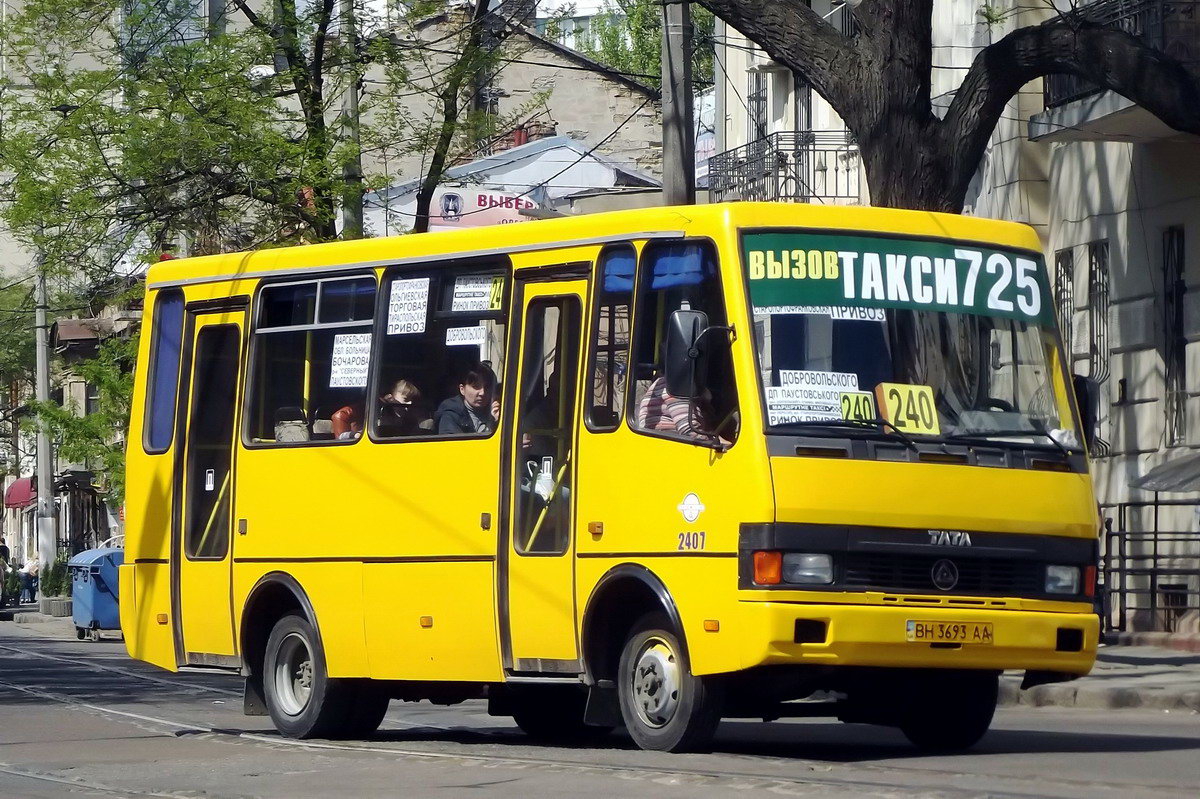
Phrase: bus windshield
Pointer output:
(902, 336)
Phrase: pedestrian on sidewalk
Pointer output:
(29, 577)
(5, 568)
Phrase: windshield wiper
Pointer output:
(877, 424)
(990, 435)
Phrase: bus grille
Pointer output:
(988, 577)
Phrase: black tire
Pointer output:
(665, 707)
(80, 633)
(301, 699)
(368, 705)
(554, 715)
(948, 711)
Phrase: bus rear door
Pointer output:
(201, 544)
(538, 574)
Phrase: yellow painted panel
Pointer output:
(335, 592)
(541, 615)
(457, 601)
(934, 495)
(145, 593)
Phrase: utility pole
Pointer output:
(47, 527)
(352, 194)
(679, 135)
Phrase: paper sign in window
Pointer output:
(351, 357)
(408, 306)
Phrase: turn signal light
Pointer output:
(1089, 581)
(768, 567)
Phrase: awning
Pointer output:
(21, 494)
(1181, 473)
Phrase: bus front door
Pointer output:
(201, 543)
(538, 559)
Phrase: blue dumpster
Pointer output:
(94, 591)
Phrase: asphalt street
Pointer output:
(81, 719)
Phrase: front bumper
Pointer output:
(866, 635)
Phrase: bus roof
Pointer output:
(584, 230)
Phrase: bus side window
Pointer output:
(441, 352)
(609, 364)
(311, 350)
(163, 380)
(675, 275)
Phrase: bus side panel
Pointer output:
(145, 588)
(423, 621)
(145, 591)
(335, 593)
(702, 589)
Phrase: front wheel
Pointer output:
(949, 711)
(665, 707)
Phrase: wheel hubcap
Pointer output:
(656, 683)
(293, 674)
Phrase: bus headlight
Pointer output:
(1062, 579)
(806, 568)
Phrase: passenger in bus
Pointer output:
(402, 412)
(661, 410)
(475, 409)
(346, 423)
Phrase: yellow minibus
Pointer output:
(647, 469)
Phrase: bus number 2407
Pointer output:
(688, 541)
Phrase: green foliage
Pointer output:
(98, 438)
(627, 36)
(12, 586)
(55, 580)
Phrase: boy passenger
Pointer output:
(475, 409)
(402, 413)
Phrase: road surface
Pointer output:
(81, 719)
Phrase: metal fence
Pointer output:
(1152, 576)
(1172, 26)
(800, 166)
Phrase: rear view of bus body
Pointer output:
(645, 468)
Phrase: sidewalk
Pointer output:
(1151, 677)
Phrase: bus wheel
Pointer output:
(368, 705)
(553, 714)
(949, 711)
(302, 700)
(664, 705)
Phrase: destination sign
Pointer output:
(790, 269)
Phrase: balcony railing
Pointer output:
(798, 166)
(1172, 26)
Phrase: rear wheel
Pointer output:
(948, 711)
(301, 699)
(665, 707)
(553, 714)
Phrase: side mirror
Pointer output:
(683, 360)
(1087, 399)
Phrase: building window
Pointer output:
(1175, 343)
(610, 337)
(1064, 295)
(675, 276)
(802, 98)
(441, 352)
(312, 347)
(163, 379)
(1098, 308)
(756, 106)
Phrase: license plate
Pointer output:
(949, 632)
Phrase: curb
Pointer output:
(1096, 697)
(1184, 642)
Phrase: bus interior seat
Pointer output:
(290, 424)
